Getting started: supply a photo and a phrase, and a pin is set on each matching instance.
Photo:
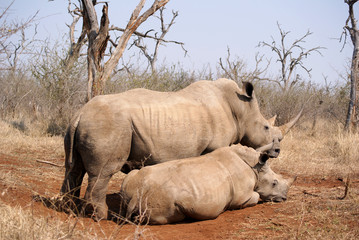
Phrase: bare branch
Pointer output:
(75, 46)
(145, 35)
(152, 58)
(236, 69)
(132, 25)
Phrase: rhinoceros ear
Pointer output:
(263, 158)
(248, 89)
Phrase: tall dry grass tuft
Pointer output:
(344, 146)
(17, 223)
(329, 151)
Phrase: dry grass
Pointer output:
(327, 151)
(328, 220)
(18, 223)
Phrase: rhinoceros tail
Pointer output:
(73, 174)
(69, 142)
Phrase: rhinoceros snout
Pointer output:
(274, 153)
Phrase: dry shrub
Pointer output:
(13, 141)
(319, 102)
(171, 78)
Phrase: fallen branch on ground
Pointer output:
(50, 163)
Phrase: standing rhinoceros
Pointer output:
(139, 124)
(201, 187)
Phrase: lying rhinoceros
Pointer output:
(201, 187)
(117, 132)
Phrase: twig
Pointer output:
(347, 184)
(50, 163)
(311, 194)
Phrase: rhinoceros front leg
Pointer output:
(253, 200)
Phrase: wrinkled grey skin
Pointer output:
(118, 132)
(201, 187)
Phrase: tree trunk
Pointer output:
(98, 38)
(353, 103)
(352, 114)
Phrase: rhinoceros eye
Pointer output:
(266, 127)
(275, 182)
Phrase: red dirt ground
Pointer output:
(26, 177)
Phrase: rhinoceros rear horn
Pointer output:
(286, 127)
(291, 180)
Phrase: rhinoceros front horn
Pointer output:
(286, 127)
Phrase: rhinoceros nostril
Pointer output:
(277, 150)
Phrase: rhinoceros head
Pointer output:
(259, 131)
(272, 186)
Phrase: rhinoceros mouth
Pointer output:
(275, 199)
(278, 199)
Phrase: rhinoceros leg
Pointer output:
(100, 167)
(155, 209)
(253, 200)
(98, 179)
(95, 196)
(73, 180)
(71, 185)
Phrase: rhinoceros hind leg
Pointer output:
(71, 185)
(95, 197)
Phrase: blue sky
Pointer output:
(208, 27)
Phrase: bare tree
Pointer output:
(290, 58)
(236, 69)
(96, 65)
(352, 114)
(98, 37)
